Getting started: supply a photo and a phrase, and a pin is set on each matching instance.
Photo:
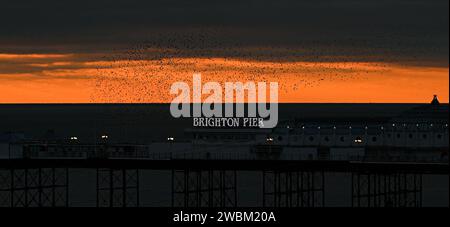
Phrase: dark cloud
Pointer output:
(387, 30)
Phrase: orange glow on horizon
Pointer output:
(31, 56)
(55, 80)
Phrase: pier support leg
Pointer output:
(34, 187)
(293, 189)
(386, 189)
(204, 188)
(117, 188)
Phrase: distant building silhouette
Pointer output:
(435, 100)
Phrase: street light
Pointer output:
(358, 140)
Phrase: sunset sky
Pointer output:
(324, 51)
